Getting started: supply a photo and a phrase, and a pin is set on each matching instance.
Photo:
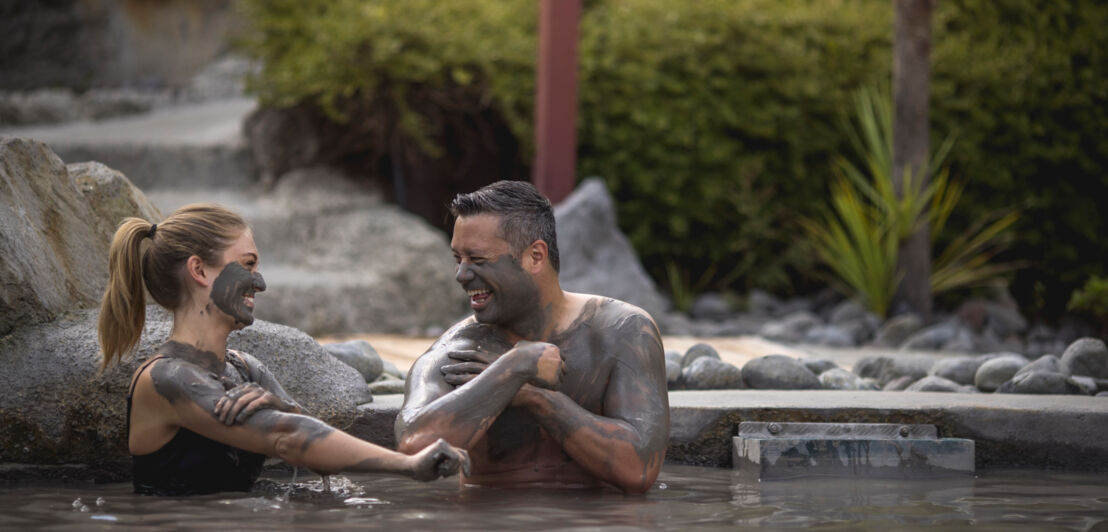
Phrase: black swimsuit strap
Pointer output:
(142, 368)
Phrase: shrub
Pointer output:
(715, 122)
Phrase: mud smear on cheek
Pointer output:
(231, 286)
(517, 296)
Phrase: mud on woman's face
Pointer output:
(233, 292)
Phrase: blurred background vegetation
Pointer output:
(716, 123)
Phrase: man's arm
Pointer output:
(626, 445)
(434, 409)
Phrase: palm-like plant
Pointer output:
(858, 237)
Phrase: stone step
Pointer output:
(182, 147)
(780, 451)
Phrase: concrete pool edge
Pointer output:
(1010, 430)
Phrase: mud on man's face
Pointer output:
(500, 291)
(234, 288)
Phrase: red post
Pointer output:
(556, 99)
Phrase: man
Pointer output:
(540, 385)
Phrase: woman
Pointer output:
(201, 418)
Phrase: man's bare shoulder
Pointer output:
(603, 312)
(468, 334)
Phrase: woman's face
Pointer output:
(237, 280)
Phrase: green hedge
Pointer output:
(714, 122)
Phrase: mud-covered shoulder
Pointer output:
(626, 329)
(468, 334)
(178, 380)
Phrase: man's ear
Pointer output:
(195, 268)
(537, 254)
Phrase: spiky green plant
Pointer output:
(858, 237)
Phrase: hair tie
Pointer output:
(150, 233)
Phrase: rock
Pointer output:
(673, 374)
(841, 379)
(1088, 384)
(1087, 356)
(965, 341)
(700, 350)
(888, 368)
(998, 370)
(1043, 383)
(1045, 364)
(830, 335)
(706, 373)
(763, 303)
(738, 325)
(673, 355)
(360, 355)
(60, 409)
(111, 194)
(897, 329)
(674, 324)
(779, 372)
(790, 329)
(847, 311)
(391, 369)
(710, 306)
(387, 386)
(53, 244)
(596, 258)
(932, 338)
(899, 384)
(934, 383)
(962, 369)
(337, 260)
(819, 365)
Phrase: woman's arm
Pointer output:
(189, 397)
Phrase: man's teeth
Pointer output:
(472, 293)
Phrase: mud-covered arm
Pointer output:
(434, 409)
(625, 445)
(261, 375)
(297, 439)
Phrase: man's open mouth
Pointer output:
(478, 298)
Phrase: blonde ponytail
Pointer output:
(123, 308)
(205, 230)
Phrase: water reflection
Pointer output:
(701, 498)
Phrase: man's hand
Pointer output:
(541, 358)
(439, 459)
(468, 363)
(240, 402)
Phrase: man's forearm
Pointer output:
(462, 416)
(610, 449)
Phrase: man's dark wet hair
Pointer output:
(525, 215)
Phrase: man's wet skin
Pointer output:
(233, 292)
(586, 404)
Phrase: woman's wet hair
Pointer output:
(525, 214)
(154, 256)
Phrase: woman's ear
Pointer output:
(196, 271)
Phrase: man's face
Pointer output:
(500, 291)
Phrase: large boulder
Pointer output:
(596, 258)
(338, 259)
(60, 409)
(110, 194)
(53, 243)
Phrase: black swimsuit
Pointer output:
(190, 464)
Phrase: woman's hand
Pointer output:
(240, 402)
(440, 459)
